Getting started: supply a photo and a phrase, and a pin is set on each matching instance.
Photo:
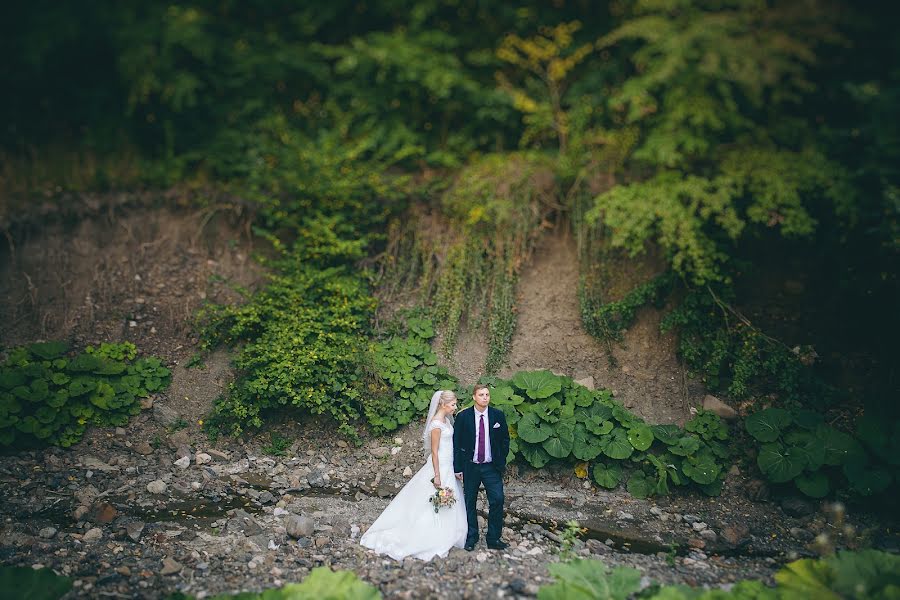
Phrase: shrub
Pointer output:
(49, 397)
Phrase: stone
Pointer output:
(316, 479)
(242, 522)
(134, 530)
(385, 489)
(170, 566)
(587, 382)
(143, 448)
(266, 497)
(165, 415)
(124, 571)
(47, 532)
(381, 452)
(407, 472)
(796, 506)
(183, 463)
(698, 525)
(624, 516)
(183, 449)
(120, 431)
(481, 557)
(714, 405)
(322, 541)
(80, 513)
(103, 513)
(157, 487)
(536, 551)
(689, 519)
(396, 450)
(146, 403)
(202, 458)
(92, 535)
(736, 534)
(298, 526)
(656, 511)
(218, 454)
(596, 546)
(709, 535)
(280, 512)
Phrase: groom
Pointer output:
(480, 446)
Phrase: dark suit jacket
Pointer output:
(464, 438)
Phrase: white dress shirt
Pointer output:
(487, 435)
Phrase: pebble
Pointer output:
(134, 530)
(298, 526)
(170, 566)
(202, 458)
(92, 535)
(381, 452)
(157, 487)
(184, 462)
(481, 557)
(47, 532)
(690, 518)
(699, 525)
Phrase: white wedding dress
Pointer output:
(409, 526)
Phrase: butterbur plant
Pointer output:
(48, 396)
(798, 447)
(553, 418)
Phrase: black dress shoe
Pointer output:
(498, 545)
(469, 546)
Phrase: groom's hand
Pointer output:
(459, 476)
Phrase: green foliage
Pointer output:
(465, 255)
(608, 320)
(36, 584)
(798, 446)
(278, 444)
(590, 579)
(304, 346)
(410, 372)
(867, 575)
(553, 418)
(321, 583)
(47, 397)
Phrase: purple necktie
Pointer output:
(481, 440)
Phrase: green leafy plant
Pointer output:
(278, 444)
(49, 397)
(39, 584)
(321, 583)
(797, 446)
(570, 537)
(553, 418)
(410, 374)
(866, 575)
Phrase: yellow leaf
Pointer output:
(581, 470)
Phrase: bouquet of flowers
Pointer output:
(442, 497)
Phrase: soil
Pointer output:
(642, 370)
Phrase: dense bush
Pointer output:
(48, 396)
(552, 417)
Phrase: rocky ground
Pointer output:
(130, 518)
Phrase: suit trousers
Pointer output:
(473, 477)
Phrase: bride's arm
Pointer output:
(435, 444)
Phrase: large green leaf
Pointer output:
(607, 475)
(685, 446)
(810, 446)
(561, 441)
(34, 584)
(668, 434)
(535, 454)
(537, 384)
(586, 445)
(590, 580)
(767, 425)
(702, 468)
(616, 445)
(839, 446)
(10, 379)
(640, 436)
(780, 464)
(640, 486)
(534, 430)
(814, 485)
(49, 350)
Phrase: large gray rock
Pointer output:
(134, 530)
(713, 404)
(298, 526)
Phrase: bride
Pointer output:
(409, 526)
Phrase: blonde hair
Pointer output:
(447, 397)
